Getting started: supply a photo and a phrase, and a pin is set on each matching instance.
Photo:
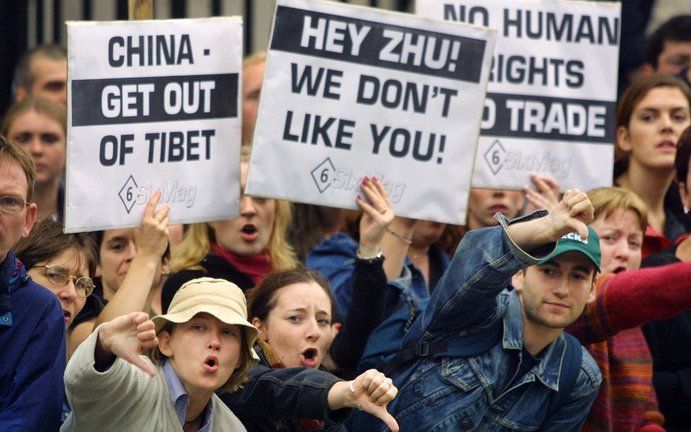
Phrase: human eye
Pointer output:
(229, 332)
(258, 200)
(547, 271)
(50, 138)
(116, 246)
(636, 243)
(22, 138)
(323, 322)
(680, 117)
(57, 275)
(294, 318)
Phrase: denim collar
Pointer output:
(548, 369)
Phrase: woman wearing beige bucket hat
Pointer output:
(203, 344)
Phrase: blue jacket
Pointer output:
(334, 258)
(32, 343)
(479, 393)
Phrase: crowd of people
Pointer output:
(546, 311)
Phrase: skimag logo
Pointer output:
(327, 176)
(499, 159)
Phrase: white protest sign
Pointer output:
(552, 91)
(153, 105)
(351, 92)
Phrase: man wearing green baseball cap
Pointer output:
(484, 357)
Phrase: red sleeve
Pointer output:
(632, 298)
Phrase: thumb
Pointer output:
(580, 228)
(381, 413)
(142, 363)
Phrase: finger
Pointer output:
(580, 228)
(388, 396)
(382, 191)
(387, 418)
(582, 210)
(143, 363)
(375, 383)
(152, 203)
(162, 212)
(365, 206)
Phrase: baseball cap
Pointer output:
(573, 241)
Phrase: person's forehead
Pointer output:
(43, 67)
(12, 179)
(120, 234)
(671, 47)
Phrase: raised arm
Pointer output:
(632, 298)
(485, 261)
(151, 241)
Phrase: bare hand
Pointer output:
(127, 335)
(376, 217)
(545, 196)
(373, 392)
(151, 238)
(573, 213)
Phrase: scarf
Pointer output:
(305, 425)
(256, 267)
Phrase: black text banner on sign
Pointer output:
(551, 95)
(153, 105)
(351, 92)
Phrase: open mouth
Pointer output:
(310, 357)
(619, 270)
(211, 364)
(67, 314)
(667, 145)
(249, 232)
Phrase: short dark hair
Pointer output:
(47, 240)
(681, 160)
(262, 299)
(22, 73)
(677, 29)
(11, 152)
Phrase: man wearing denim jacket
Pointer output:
(509, 386)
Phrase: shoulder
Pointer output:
(339, 243)
(224, 419)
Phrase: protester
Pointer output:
(203, 344)
(133, 267)
(63, 263)
(650, 117)
(252, 78)
(668, 48)
(671, 356)
(481, 377)
(42, 72)
(32, 324)
(39, 127)
(241, 250)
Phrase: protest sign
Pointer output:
(351, 92)
(552, 91)
(153, 105)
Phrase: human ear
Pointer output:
(30, 219)
(259, 324)
(164, 344)
(624, 139)
(591, 294)
(517, 280)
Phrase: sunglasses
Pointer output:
(60, 276)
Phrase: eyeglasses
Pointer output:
(60, 276)
(11, 205)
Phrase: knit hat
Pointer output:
(573, 241)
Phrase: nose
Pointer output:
(561, 290)
(69, 292)
(622, 251)
(247, 206)
(215, 340)
(131, 252)
(35, 146)
(312, 331)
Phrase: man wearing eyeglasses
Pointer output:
(32, 326)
